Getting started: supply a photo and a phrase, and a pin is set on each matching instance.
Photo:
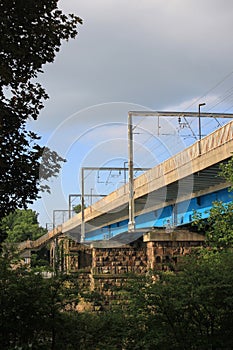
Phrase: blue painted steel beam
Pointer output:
(169, 216)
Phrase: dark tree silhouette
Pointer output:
(31, 33)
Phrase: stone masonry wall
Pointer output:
(106, 270)
(119, 260)
(138, 257)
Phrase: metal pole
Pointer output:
(82, 207)
(131, 224)
(92, 189)
(199, 125)
(54, 219)
(125, 171)
(47, 226)
(69, 206)
(131, 172)
(55, 244)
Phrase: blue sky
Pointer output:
(151, 54)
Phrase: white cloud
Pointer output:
(153, 53)
(148, 52)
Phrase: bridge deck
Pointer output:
(186, 175)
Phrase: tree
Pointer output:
(77, 208)
(227, 171)
(191, 309)
(219, 230)
(34, 310)
(31, 33)
(22, 225)
(218, 227)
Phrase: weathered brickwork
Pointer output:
(106, 270)
(138, 257)
(165, 255)
(119, 260)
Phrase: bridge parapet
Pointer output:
(217, 138)
(38, 243)
(214, 148)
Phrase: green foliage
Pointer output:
(21, 225)
(31, 34)
(77, 208)
(33, 309)
(227, 171)
(40, 259)
(188, 310)
(218, 227)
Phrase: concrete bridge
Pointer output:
(164, 197)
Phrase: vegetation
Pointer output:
(21, 225)
(227, 172)
(218, 227)
(32, 307)
(31, 34)
(191, 309)
(77, 208)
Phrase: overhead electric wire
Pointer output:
(206, 94)
(90, 171)
(228, 109)
(210, 90)
(222, 98)
(227, 95)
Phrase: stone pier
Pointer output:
(157, 249)
(106, 270)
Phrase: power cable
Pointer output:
(215, 86)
